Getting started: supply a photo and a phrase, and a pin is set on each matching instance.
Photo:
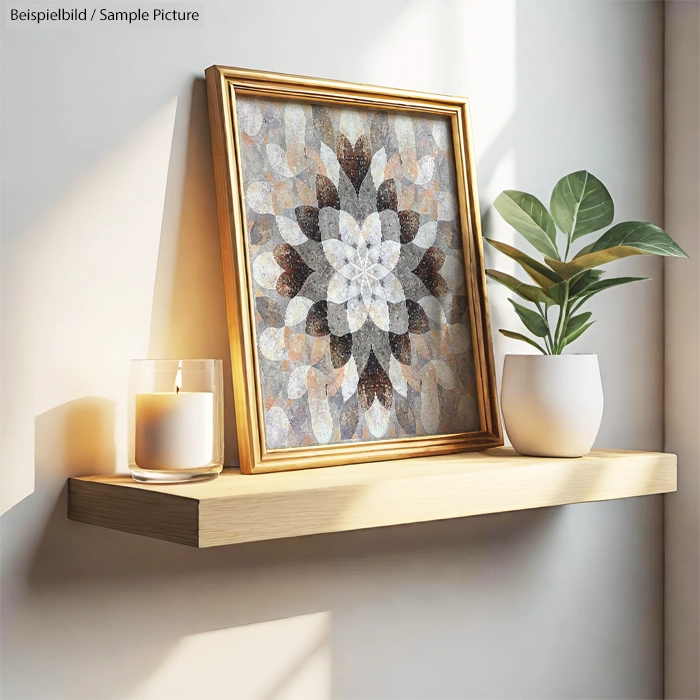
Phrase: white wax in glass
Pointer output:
(174, 430)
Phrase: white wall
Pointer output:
(682, 314)
(110, 251)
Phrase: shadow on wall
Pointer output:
(189, 310)
(75, 283)
(75, 439)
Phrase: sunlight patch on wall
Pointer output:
(486, 62)
(287, 659)
(77, 291)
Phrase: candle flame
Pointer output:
(178, 378)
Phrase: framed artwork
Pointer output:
(353, 270)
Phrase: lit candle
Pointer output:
(174, 430)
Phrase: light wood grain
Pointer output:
(237, 508)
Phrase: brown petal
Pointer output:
(307, 218)
(345, 153)
(436, 285)
(354, 160)
(374, 381)
(326, 193)
(409, 221)
(427, 271)
(288, 286)
(363, 158)
(323, 125)
(386, 196)
(288, 258)
(341, 349)
(317, 319)
(417, 318)
(400, 347)
(296, 271)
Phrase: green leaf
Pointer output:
(581, 204)
(621, 241)
(607, 284)
(590, 260)
(576, 334)
(640, 235)
(524, 338)
(526, 291)
(529, 217)
(575, 322)
(558, 292)
(580, 282)
(537, 271)
(531, 319)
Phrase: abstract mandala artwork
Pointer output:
(357, 285)
(358, 273)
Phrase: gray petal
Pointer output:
(328, 219)
(367, 197)
(398, 318)
(391, 226)
(348, 197)
(316, 285)
(411, 255)
(337, 319)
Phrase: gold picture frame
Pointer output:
(244, 102)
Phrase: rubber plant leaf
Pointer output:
(558, 292)
(575, 322)
(529, 217)
(576, 334)
(538, 272)
(524, 338)
(621, 241)
(580, 282)
(531, 319)
(607, 284)
(581, 204)
(527, 291)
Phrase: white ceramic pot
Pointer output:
(552, 404)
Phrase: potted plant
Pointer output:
(553, 402)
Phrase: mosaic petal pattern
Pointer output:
(357, 268)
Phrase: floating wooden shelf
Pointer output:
(237, 508)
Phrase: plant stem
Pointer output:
(561, 322)
(548, 337)
(568, 244)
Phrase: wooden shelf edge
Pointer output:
(235, 508)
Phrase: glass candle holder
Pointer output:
(176, 412)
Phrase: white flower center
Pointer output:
(363, 264)
(365, 271)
